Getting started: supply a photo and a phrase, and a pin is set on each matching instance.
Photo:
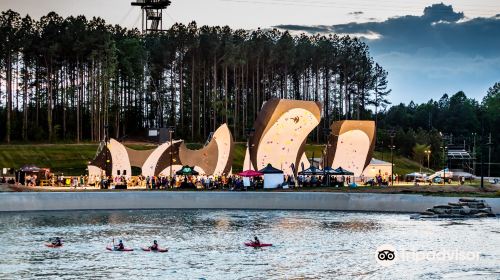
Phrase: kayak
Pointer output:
(50, 245)
(112, 248)
(160, 250)
(252, 244)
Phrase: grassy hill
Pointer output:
(71, 159)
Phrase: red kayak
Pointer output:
(160, 250)
(255, 245)
(50, 245)
(113, 248)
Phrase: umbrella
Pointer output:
(342, 171)
(311, 171)
(187, 170)
(251, 173)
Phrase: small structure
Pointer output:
(152, 14)
(377, 167)
(273, 178)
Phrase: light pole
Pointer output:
(392, 134)
(444, 147)
(249, 132)
(489, 154)
(106, 142)
(428, 153)
(326, 132)
(170, 135)
(474, 153)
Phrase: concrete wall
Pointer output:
(36, 201)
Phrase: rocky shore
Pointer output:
(464, 208)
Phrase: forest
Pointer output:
(70, 78)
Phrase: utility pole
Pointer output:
(392, 134)
(489, 154)
(170, 135)
(326, 132)
(249, 132)
(106, 143)
(474, 152)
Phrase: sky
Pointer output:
(442, 49)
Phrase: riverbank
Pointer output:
(373, 202)
(453, 190)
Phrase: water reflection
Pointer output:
(351, 226)
(207, 244)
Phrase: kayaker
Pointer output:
(154, 247)
(256, 241)
(120, 246)
(57, 241)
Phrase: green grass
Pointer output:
(402, 165)
(71, 159)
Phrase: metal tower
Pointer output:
(152, 14)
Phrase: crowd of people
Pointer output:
(176, 181)
(212, 182)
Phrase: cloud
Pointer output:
(439, 28)
(439, 51)
(356, 13)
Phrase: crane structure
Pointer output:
(152, 14)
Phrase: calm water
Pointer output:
(207, 244)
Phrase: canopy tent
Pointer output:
(451, 174)
(311, 171)
(273, 177)
(342, 171)
(416, 174)
(250, 173)
(330, 171)
(269, 169)
(187, 170)
(29, 168)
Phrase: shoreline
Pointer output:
(361, 202)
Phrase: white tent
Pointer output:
(377, 167)
(273, 177)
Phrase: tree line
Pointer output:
(452, 121)
(72, 79)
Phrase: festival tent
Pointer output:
(342, 171)
(311, 171)
(187, 170)
(273, 177)
(29, 168)
(330, 171)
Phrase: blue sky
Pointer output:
(440, 51)
(429, 51)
